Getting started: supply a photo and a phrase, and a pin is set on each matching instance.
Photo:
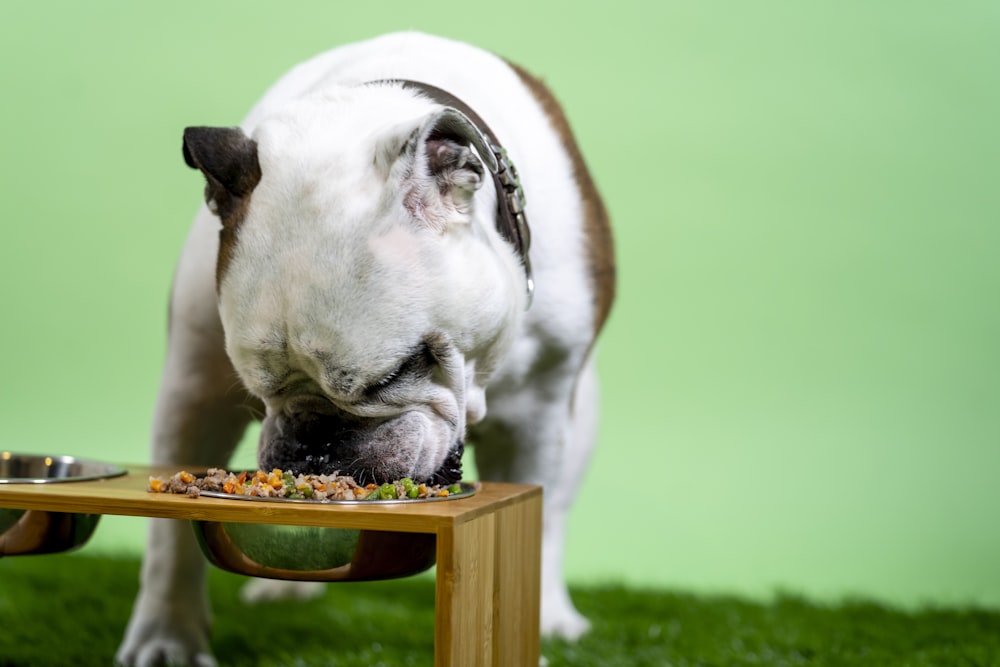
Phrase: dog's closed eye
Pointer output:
(416, 365)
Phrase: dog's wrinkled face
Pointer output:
(362, 300)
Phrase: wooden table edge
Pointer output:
(127, 495)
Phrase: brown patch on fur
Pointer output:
(597, 227)
(228, 236)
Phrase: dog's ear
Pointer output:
(228, 159)
(444, 171)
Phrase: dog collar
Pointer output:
(511, 220)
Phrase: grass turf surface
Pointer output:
(72, 609)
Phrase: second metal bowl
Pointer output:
(24, 532)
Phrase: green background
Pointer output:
(801, 374)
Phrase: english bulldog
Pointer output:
(400, 249)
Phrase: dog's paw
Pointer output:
(156, 641)
(561, 620)
(266, 590)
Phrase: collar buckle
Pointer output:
(510, 189)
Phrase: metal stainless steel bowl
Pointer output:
(24, 532)
(310, 553)
(40, 469)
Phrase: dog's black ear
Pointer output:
(446, 170)
(228, 159)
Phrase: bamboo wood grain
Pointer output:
(517, 583)
(488, 589)
(463, 627)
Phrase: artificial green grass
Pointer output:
(71, 610)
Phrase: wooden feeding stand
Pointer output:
(488, 549)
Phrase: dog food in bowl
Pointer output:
(285, 485)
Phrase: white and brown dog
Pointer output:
(362, 266)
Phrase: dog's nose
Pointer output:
(309, 441)
(313, 429)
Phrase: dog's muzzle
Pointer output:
(370, 451)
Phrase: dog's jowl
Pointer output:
(400, 251)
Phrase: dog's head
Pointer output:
(364, 294)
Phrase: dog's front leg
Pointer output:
(201, 413)
(544, 435)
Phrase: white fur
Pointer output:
(510, 376)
